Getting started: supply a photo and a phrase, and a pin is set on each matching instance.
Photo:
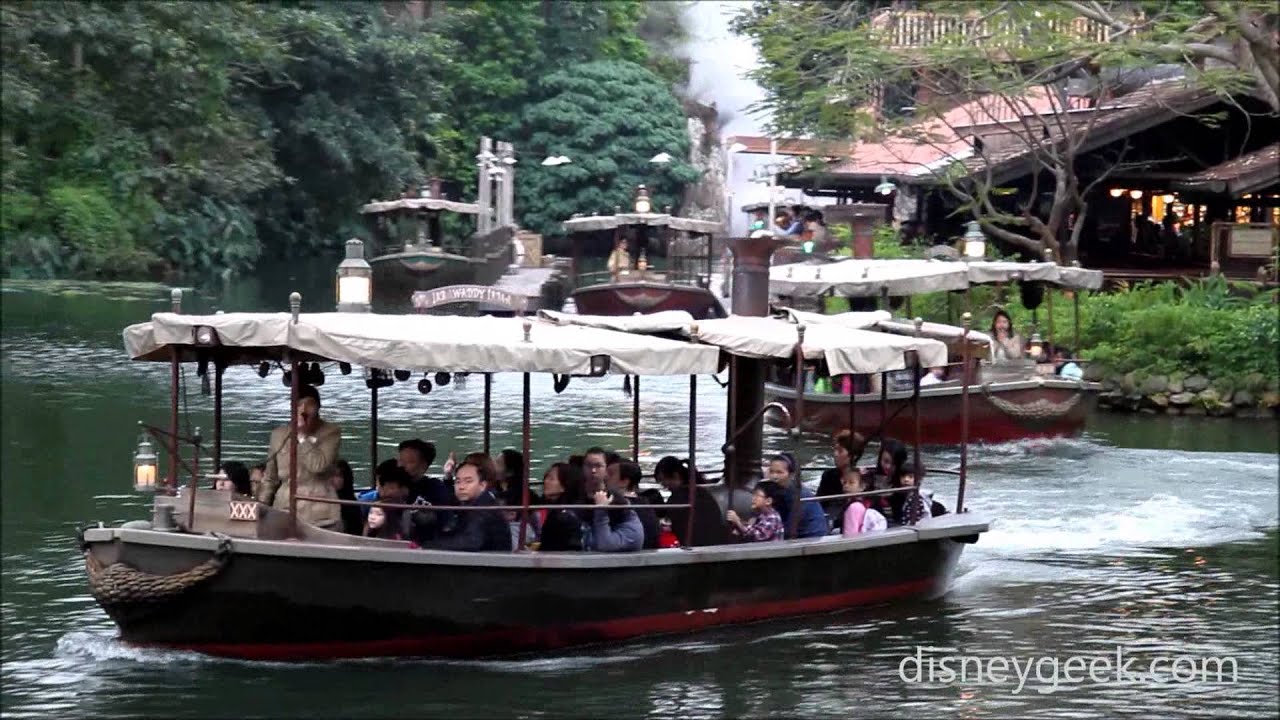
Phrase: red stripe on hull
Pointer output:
(522, 639)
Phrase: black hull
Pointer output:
(281, 606)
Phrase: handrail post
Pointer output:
(798, 428)
(488, 408)
(373, 432)
(524, 448)
(175, 369)
(635, 420)
(195, 475)
(964, 415)
(915, 419)
(295, 304)
(218, 369)
(693, 452)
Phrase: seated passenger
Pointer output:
(391, 523)
(812, 521)
(317, 448)
(344, 483)
(1064, 366)
(385, 468)
(912, 507)
(416, 457)
(595, 465)
(614, 527)
(892, 456)
(624, 478)
(708, 527)
(236, 478)
(847, 449)
(936, 375)
(765, 524)
(256, 474)
(474, 530)
(860, 515)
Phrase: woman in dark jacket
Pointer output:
(562, 528)
(709, 526)
(889, 463)
(345, 482)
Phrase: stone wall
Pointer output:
(1256, 396)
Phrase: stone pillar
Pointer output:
(863, 219)
(751, 258)
(506, 151)
(483, 196)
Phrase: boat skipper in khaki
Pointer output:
(318, 443)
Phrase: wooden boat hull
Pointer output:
(1003, 411)
(294, 601)
(628, 298)
(397, 276)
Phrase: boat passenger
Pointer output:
(1007, 344)
(256, 474)
(619, 259)
(708, 523)
(847, 449)
(344, 482)
(384, 467)
(561, 528)
(577, 461)
(595, 463)
(236, 480)
(783, 470)
(934, 376)
(765, 524)
(416, 457)
(1064, 366)
(892, 457)
(391, 523)
(911, 507)
(614, 527)
(476, 530)
(624, 478)
(860, 515)
(318, 443)
(510, 467)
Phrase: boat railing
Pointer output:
(672, 277)
(503, 508)
(914, 489)
(824, 468)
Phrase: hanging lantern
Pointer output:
(1135, 194)
(1037, 346)
(355, 280)
(643, 204)
(1168, 198)
(144, 466)
(1117, 192)
(975, 243)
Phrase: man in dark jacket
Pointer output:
(474, 530)
(624, 477)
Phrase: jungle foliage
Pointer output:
(145, 139)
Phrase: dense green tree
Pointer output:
(610, 118)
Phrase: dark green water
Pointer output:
(1154, 535)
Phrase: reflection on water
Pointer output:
(1158, 536)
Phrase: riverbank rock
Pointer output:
(1175, 383)
(1155, 384)
(1158, 400)
(1195, 383)
(1270, 399)
(1094, 372)
(1129, 383)
(1255, 382)
(1181, 399)
(1243, 398)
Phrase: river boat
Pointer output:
(221, 574)
(684, 284)
(1012, 400)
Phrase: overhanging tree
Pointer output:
(1021, 55)
(610, 118)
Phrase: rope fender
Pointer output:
(1038, 409)
(119, 584)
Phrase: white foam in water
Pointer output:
(1160, 521)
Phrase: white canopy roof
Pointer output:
(939, 331)
(608, 222)
(659, 322)
(430, 342)
(861, 277)
(421, 203)
(855, 320)
(846, 350)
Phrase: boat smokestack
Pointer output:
(751, 259)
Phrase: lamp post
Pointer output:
(144, 466)
(975, 243)
(355, 280)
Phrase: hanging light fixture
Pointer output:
(975, 243)
(264, 369)
(1135, 194)
(1117, 192)
(144, 466)
(885, 187)
(1037, 346)
(355, 280)
(403, 375)
(424, 386)
(344, 368)
(643, 204)
(1168, 198)
(443, 378)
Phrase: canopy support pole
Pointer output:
(294, 381)
(174, 378)
(693, 457)
(1048, 291)
(218, 368)
(884, 406)
(915, 421)
(373, 435)
(635, 421)
(1075, 299)
(964, 415)
(488, 408)
(798, 424)
(731, 459)
(853, 405)
(524, 449)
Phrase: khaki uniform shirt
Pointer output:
(315, 453)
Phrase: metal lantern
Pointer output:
(144, 466)
(975, 243)
(1037, 346)
(643, 204)
(1116, 192)
(355, 280)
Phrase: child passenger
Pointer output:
(860, 516)
(766, 523)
